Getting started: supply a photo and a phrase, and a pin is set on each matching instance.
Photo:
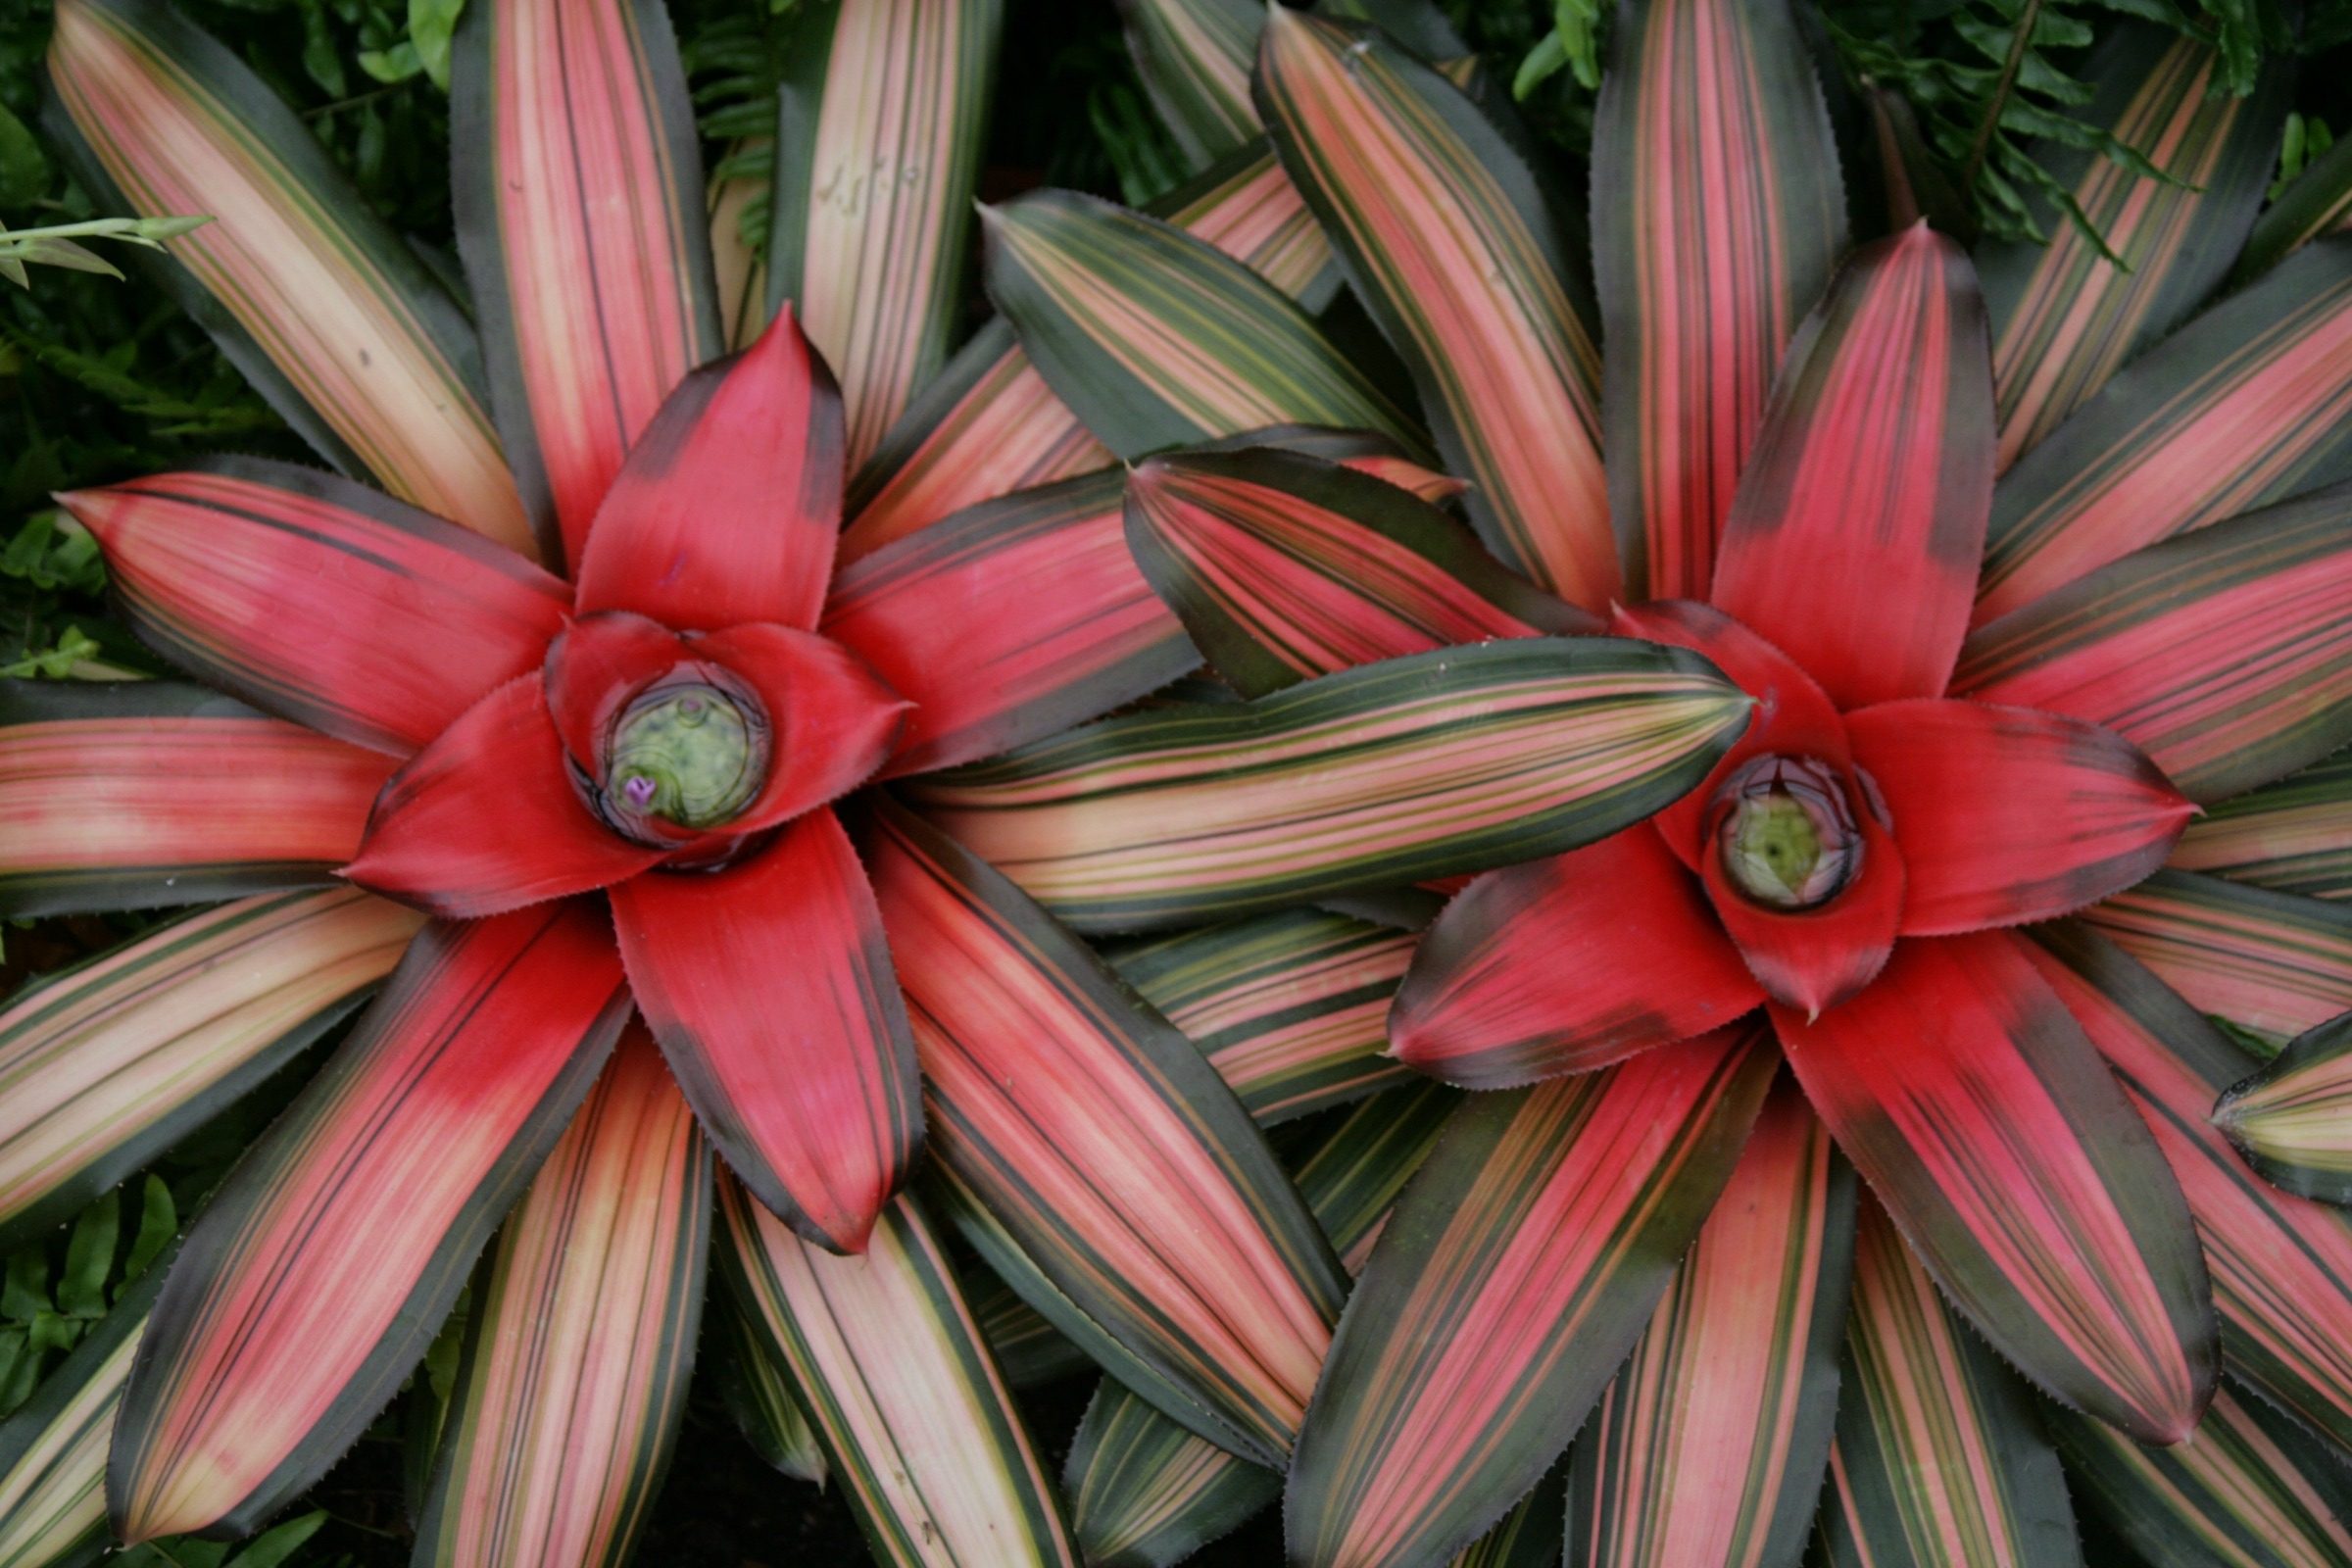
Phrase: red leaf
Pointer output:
(1567, 964)
(321, 1269)
(2007, 815)
(769, 986)
(1716, 220)
(1970, 1100)
(729, 504)
(1854, 535)
(155, 794)
(486, 818)
(1008, 621)
(1794, 715)
(579, 200)
(319, 600)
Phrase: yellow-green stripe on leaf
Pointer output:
(1436, 764)
(310, 295)
(581, 1338)
(1451, 243)
(2294, 1119)
(1158, 339)
(915, 1419)
(882, 124)
(1937, 1462)
(2248, 1489)
(103, 1068)
(2066, 317)
(53, 1447)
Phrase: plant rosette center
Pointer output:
(1785, 832)
(688, 751)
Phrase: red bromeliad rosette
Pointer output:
(1979, 707)
(610, 788)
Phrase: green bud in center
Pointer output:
(686, 752)
(1787, 836)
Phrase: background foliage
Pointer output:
(100, 379)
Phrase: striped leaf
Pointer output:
(1719, 215)
(2294, 1119)
(769, 985)
(1245, 205)
(1734, 1385)
(2318, 202)
(1528, 1537)
(580, 1337)
(1284, 567)
(953, 617)
(1290, 1009)
(757, 1390)
(2295, 836)
(2057, 812)
(318, 600)
(1566, 964)
(322, 1268)
(151, 793)
(959, 1202)
(2225, 656)
(1145, 1493)
(1194, 56)
(1427, 767)
(2066, 317)
(915, 1420)
(2000, 1142)
(1160, 339)
(103, 1068)
(2248, 1489)
(1520, 1266)
(2244, 406)
(988, 424)
(1852, 540)
(583, 234)
(1449, 241)
(1031, 1351)
(53, 1447)
(2267, 961)
(881, 122)
(1937, 1462)
(2282, 1266)
(315, 300)
(1105, 1145)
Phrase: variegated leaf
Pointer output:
(1516, 750)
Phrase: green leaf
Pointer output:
(24, 167)
(90, 1258)
(280, 1544)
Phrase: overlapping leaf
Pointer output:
(879, 140)
(580, 1337)
(2267, 961)
(151, 793)
(2066, 317)
(106, 1066)
(916, 1420)
(1450, 241)
(1718, 218)
(1516, 750)
(1519, 1267)
(2243, 406)
(314, 298)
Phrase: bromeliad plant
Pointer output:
(550, 727)
(1981, 708)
